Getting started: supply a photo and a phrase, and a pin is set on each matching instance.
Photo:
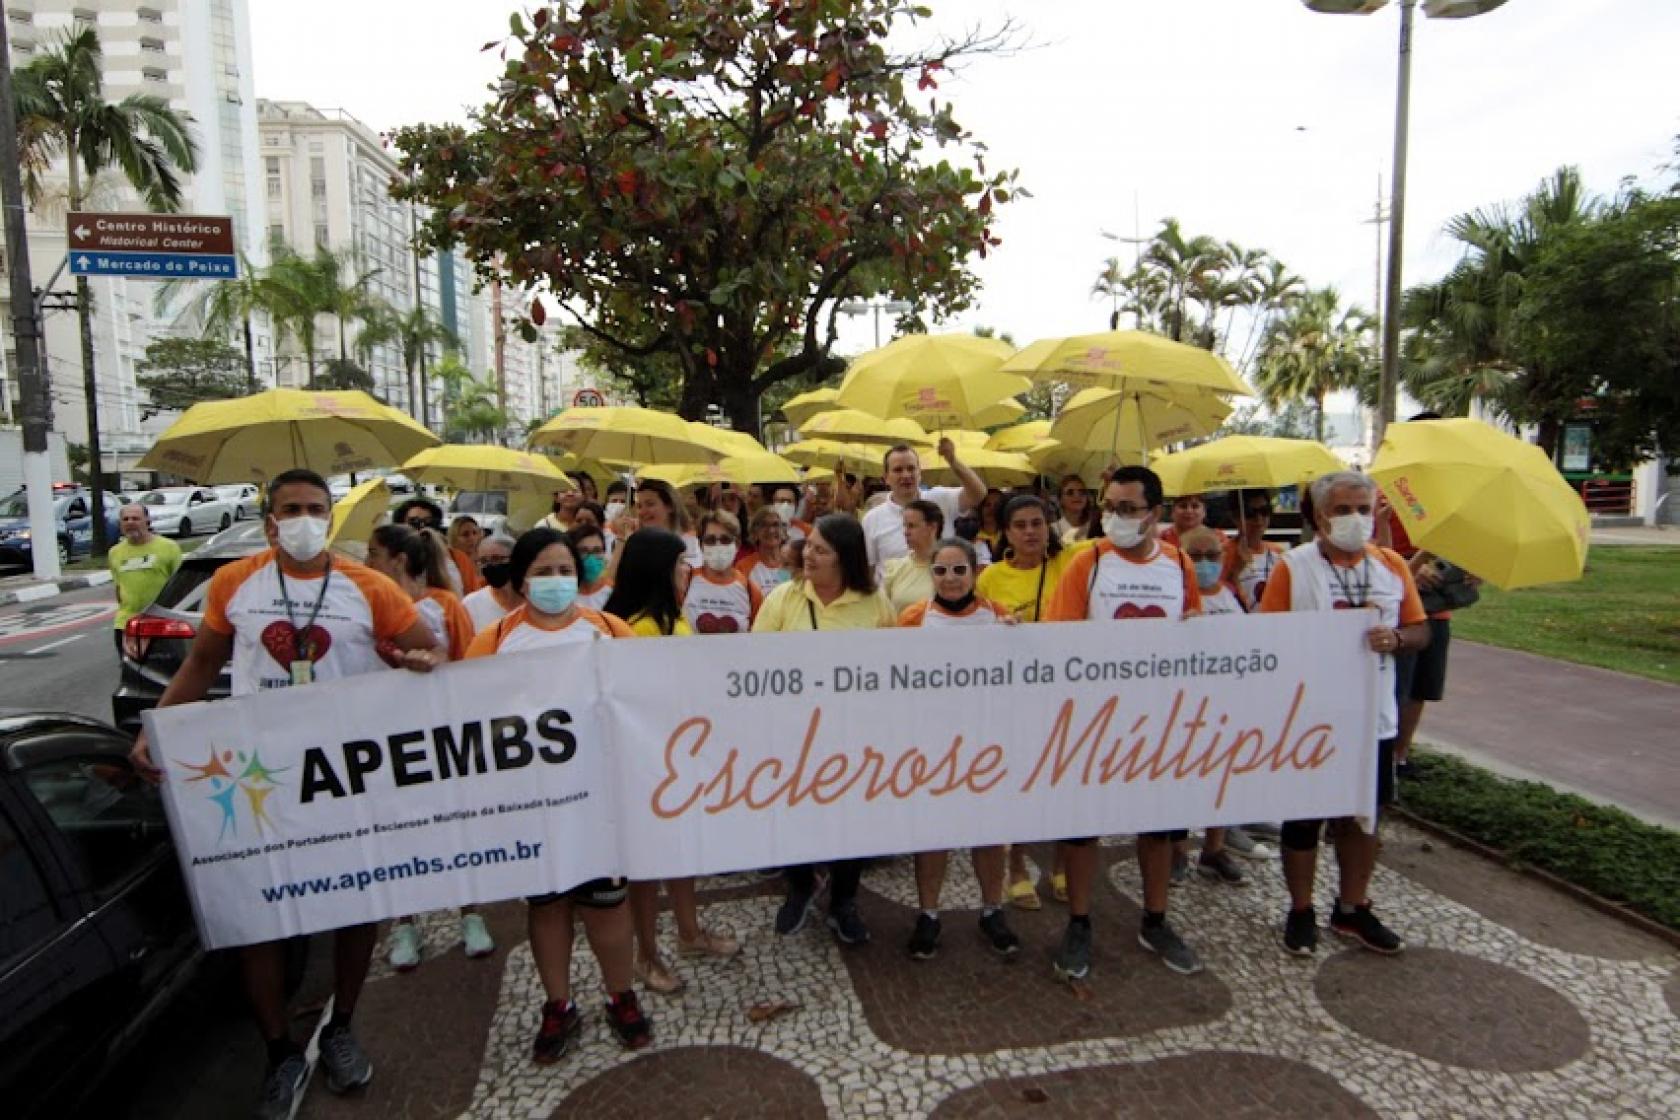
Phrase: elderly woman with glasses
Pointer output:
(1250, 559)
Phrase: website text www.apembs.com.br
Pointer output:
(364, 878)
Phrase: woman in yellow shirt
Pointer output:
(647, 593)
(905, 580)
(837, 593)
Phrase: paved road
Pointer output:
(57, 654)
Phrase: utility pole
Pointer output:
(421, 399)
(26, 332)
(1389, 388)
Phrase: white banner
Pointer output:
(394, 793)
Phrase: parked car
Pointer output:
(96, 933)
(487, 507)
(156, 640)
(246, 499)
(72, 513)
(187, 510)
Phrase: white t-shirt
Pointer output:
(1221, 600)
(883, 525)
(482, 608)
(720, 605)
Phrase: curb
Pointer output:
(38, 591)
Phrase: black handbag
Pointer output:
(1454, 592)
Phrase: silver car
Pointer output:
(246, 499)
(187, 511)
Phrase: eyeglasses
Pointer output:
(420, 523)
(713, 540)
(1127, 510)
(1206, 555)
(950, 569)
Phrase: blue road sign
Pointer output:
(154, 266)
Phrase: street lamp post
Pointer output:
(877, 305)
(1389, 390)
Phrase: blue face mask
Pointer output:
(593, 567)
(1207, 572)
(552, 594)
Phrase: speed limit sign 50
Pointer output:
(588, 398)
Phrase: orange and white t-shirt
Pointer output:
(1251, 580)
(519, 631)
(1102, 582)
(358, 609)
(1309, 580)
(463, 575)
(596, 599)
(762, 575)
(448, 621)
(981, 612)
(721, 604)
(1222, 600)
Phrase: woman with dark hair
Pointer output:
(544, 569)
(647, 591)
(990, 533)
(657, 506)
(594, 584)
(837, 593)
(904, 579)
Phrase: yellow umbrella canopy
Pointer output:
(964, 438)
(1486, 501)
(1057, 460)
(252, 439)
(1130, 424)
(737, 470)
(1022, 437)
(727, 440)
(997, 468)
(850, 425)
(937, 380)
(355, 515)
(828, 453)
(999, 414)
(628, 435)
(571, 464)
(1243, 462)
(1125, 360)
(806, 405)
(468, 466)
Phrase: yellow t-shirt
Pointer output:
(645, 626)
(795, 606)
(906, 581)
(1017, 589)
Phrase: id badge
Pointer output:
(303, 672)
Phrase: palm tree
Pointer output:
(1278, 290)
(292, 291)
(217, 305)
(418, 332)
(62, 111)
(1315, 349)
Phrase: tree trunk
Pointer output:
(1547, 436)
(90, 388)
(250, 358)
(741, 403)
(1318, 417)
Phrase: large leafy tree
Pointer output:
(1316, 348)
(705, 180)
(177, 373)
(62, 113)
(221, 306)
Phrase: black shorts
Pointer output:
(1429, 678)
(1298, 836)
(598, 894)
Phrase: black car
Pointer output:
(156, 640)
(96, 934)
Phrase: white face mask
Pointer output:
(718, 557)
(614, 511)
(784, 510)
(303, 538)
(1350, 531)
(1123, 532)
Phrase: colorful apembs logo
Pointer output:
(1403, 486)
(239, 785)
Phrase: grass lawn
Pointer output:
(1624, 614)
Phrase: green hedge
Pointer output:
(1605, 850)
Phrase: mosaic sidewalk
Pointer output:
(1512, 1001)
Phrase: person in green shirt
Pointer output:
(141, 563)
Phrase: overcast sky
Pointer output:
(1251, 120)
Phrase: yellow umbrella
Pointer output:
(571, 464)
(727, 440)
(937, 380)
(828, 453)
(1022, 437)
(997, 468)
(628, 435)
(1130, 424)
(850, 425)
(1486, 501)
(252, 439)
(737, 470)
(1126, 360)
(964, 438)
(355, 515)
(999, 414)
(806, 405)
(468, 466)
(1242, 462)
(1057, 460)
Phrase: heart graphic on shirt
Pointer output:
(709, 623)
(1341, 605)
(1132, 610)
(280, 639)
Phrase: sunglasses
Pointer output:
(950, 569)
(717, 540)
(1259, 511)
(420, 523)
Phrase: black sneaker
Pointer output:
(994, 927)
(1073, 959)
(1300, 932)
(1180, 870)
(624, 1016)
(283, 1089)
(1363, 926)
(346, 1065)
(1220, 866)
(790, 919)
(848, 926)
(924, 941)
(1165, 942)
(560, 1027)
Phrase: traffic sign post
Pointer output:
(588, 398)
(152, 246)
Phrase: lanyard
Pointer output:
(1038, 598)
(305, 651)
(1355, 592)
(812, 608)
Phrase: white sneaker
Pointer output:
(405, 947)
(475, 936)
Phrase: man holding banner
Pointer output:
(293, 615)
(1341, 569)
